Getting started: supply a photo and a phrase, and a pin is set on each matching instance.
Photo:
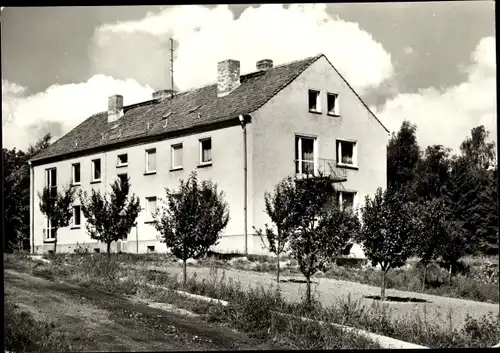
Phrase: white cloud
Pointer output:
(446, 116)
(60, 107)
(139, 49)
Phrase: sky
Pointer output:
(432, 63)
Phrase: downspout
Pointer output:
(244, 126)
(32, 211)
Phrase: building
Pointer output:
(245, 132)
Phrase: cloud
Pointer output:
(60, 108)
(204, 36)
(446, 115)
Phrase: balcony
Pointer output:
(325, 167)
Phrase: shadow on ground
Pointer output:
(398, 299)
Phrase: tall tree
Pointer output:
(279, 208)
(110, 217)
(192, 219)
(388, 231)
(17, 192)
(403, 154)
(58, 208)
(432, 172)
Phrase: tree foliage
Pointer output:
(58, 208)
(387, 231)
(403, 155)
(110, 217)
(192, 218)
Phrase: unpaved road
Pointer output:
(328, 291)
(99, 321)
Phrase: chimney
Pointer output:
(228, 77)
(264, 64)
(115, 107)
(163, 93)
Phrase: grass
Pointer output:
(25, 334)
(250, 308)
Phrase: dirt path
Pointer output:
(328, 291)
(100, 321)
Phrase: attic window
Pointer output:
(333, 104)
(314, 101)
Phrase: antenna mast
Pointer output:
(172, 67)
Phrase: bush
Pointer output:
(24, 334)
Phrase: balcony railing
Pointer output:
(325, 167)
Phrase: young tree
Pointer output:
(57, 207)
(110, 218)
(454, 244)
(279, 207)
(320, 229)
(192, 218)
(387, 231)
(431, 219)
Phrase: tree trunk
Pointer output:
(382, 291)
(449, 274)
(308, 290)
(55, 241)
(425, 276)
(278, 271)
(109, 249)
(184, 272)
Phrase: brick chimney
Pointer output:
(264, 64)
(228, 77)
(163, 93)
(115, 107)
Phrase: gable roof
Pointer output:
(186, 110)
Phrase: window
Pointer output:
(151, 160)
(122, 177)
(314, 101)
(151, 248)
(206, 151)
(333, 104)
(51, 180)
(96, 170)
(346, 198)
(150, 208)
(305, 155)
(122, 160)
(346, 153)
(76, 217)
(76, 174)
(177, 156)
(97, 250)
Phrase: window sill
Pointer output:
(334, 115)
(151, 221)
(75, 227)
(150, 173)
(121, 165)
(95, 181)
(49, 240)
(347, 166)
(76, 184)
(315, 111)
(204, 165)
(174, 169)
